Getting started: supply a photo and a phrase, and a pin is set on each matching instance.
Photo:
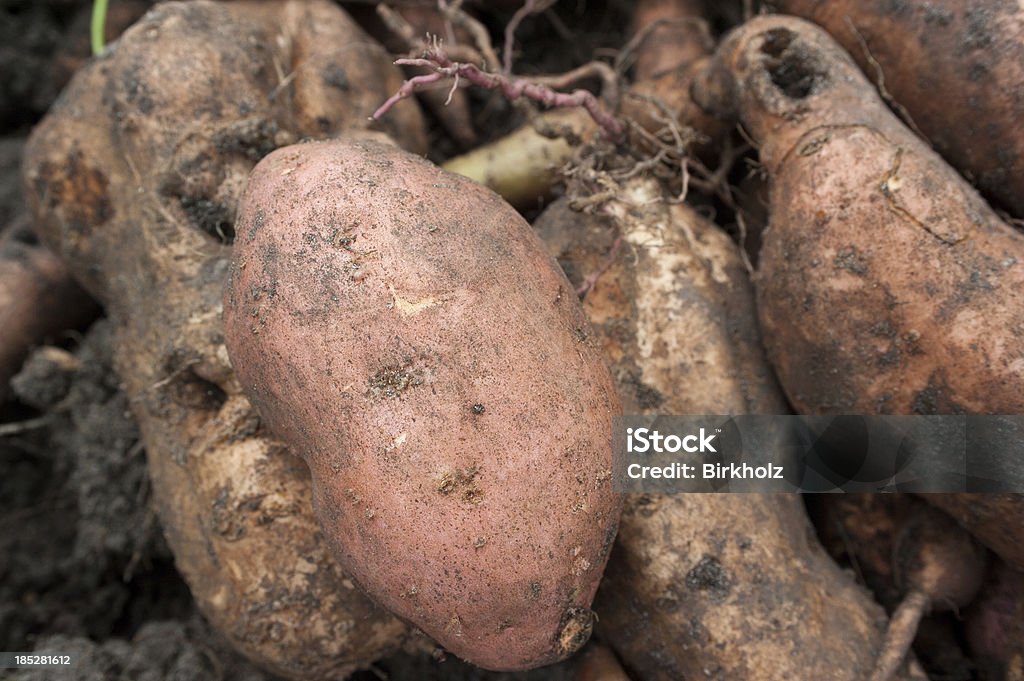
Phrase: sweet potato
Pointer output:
(995, 625)
(854, 324)
(887, 285)
(134, 177)
(860, 531)
(672, 33)
(938, 566)
(995, 519)
(37, 298)
(957, 69)
(402, 329)
(674, 306)
(734, 586)
(865, 532)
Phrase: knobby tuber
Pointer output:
(134, 177)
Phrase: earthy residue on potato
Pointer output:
(462, 485)
(391, 381)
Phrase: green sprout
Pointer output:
(97, 25)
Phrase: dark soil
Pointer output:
(42, 42)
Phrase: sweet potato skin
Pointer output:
(134, 177)
(971, 52)
(887, 285)
(995, 519)
(674, 311)
(37, 298)
(761, 604)
(862, 530)
(403, 329)
(676, 33)
(693, 586)
(995, 624)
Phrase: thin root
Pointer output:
(529, 7)
(441, 66)
(900, 635)
(880, 80)
(609, 260)
(624, 58)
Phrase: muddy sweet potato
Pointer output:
(995, 519)
(995, 625)
(884, 286)
(673, 306)
(402, 328)
(956, 68)
(887, 285)
(37, 298)
(731, 586)
(134, 177)
(938, 566)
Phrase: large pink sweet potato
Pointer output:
(402, 328)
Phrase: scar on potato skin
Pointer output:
(464, 480)
(574, 630)
(80, 189)
(392, 381)
(709, 575)
(851, 260)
